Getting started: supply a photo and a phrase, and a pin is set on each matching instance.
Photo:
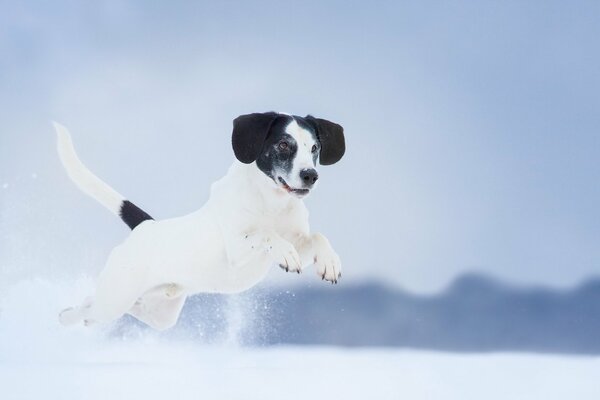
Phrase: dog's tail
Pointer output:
(93, 186)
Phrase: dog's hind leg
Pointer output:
(119, 285)
(159, 307)
(109, 304)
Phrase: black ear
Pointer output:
(331, 136)
(249, 134)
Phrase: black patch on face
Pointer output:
(279, 149)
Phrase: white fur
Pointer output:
(89, 183)
(227, 246)
(304, 155)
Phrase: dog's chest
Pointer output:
(282, 220)
(277, 220)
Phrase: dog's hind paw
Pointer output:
(73, 315)
(69, 316)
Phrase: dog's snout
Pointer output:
(309, 176)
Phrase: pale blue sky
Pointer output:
(472, 127)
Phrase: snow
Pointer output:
(41, 359)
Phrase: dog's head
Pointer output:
(287, 147)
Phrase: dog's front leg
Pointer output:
(265, 245)
(315, 248)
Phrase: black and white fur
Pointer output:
(253, 219)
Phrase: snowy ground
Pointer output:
(40, 359)
(159, 371)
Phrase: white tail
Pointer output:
(85, 180)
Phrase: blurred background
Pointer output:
(466, 210)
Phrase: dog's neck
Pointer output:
(271, 197)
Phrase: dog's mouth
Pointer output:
(291, 190)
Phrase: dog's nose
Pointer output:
(309, 176)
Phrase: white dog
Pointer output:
(254, 218)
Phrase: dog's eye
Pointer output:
(283, 145)
(314, 148)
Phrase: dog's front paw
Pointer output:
(285, 255)
(328, 265)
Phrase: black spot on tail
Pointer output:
(132, 215)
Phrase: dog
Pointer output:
(253, 219)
